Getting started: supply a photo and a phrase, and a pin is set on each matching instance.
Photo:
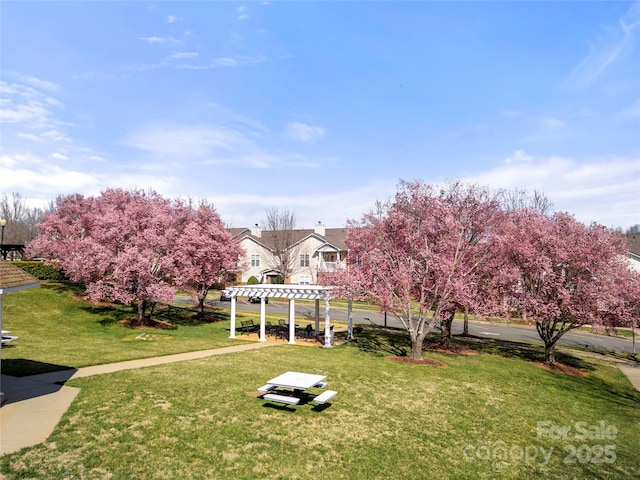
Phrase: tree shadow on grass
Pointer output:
(64, 287)
(381, 341)
(524, 351)
(185, 316)
(396, 342)
(110, 314)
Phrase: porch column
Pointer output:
(232, 325)
(327, 325)
(263, 311)
(292, 320)
(317, 316)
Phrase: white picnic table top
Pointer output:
(296, 380)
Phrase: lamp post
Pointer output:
(3, 223)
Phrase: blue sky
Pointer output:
(322, 107)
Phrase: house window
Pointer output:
(305, 279)
(255, 259)
(304, 260)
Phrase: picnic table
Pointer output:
(298, 382)
(6, 338)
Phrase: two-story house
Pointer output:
(292, 256)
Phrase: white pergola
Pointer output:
(290, 292)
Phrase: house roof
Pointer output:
(13, 278)
(332, 236)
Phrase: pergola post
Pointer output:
(292, 320)
(328, 341)
(232, 325)
(263, 310)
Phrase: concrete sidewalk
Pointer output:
(34, 405)
(632, 371)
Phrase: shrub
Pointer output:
(252, 280)
(40, 270)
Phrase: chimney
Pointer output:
(255, 231)
(319, 229)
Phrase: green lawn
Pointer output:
(55, 331)
(487, 415)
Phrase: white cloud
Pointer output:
(24, 104)
(241, 11)
(600, 189)
(225, 62)
(519, 156)
(155, 39)
(302, 132)
(604, 52)
(238, 143)
(332, 209)
(186, 142)
(553, 123)
(59, 156)
(239, 60)
(152, 39)
(182, 55)
(41, 84)
(174, 19)
(30, 136)
(42, 179)
(31, 112)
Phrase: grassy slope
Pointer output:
(201, 419)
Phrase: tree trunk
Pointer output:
(416, 345)
(465, 327)
(416, 350)
(142, 305)
(201, 307)
(546, 332)
(550, 353)
(445, 324)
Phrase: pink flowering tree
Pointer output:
(424, 254)
(564, 274)
(122, 244)
(204, 252)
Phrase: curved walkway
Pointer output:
(35, 404)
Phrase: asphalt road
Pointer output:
(480, 329)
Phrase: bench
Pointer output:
(248, 326)
(282, 399)
(324, 397)
(266, 388)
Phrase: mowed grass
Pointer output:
(57, 331)
(475, 418)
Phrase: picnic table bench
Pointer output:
(324, 397)
(289, 400)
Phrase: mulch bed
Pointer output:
(146, 323)
(450, 348)
(559, 367)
